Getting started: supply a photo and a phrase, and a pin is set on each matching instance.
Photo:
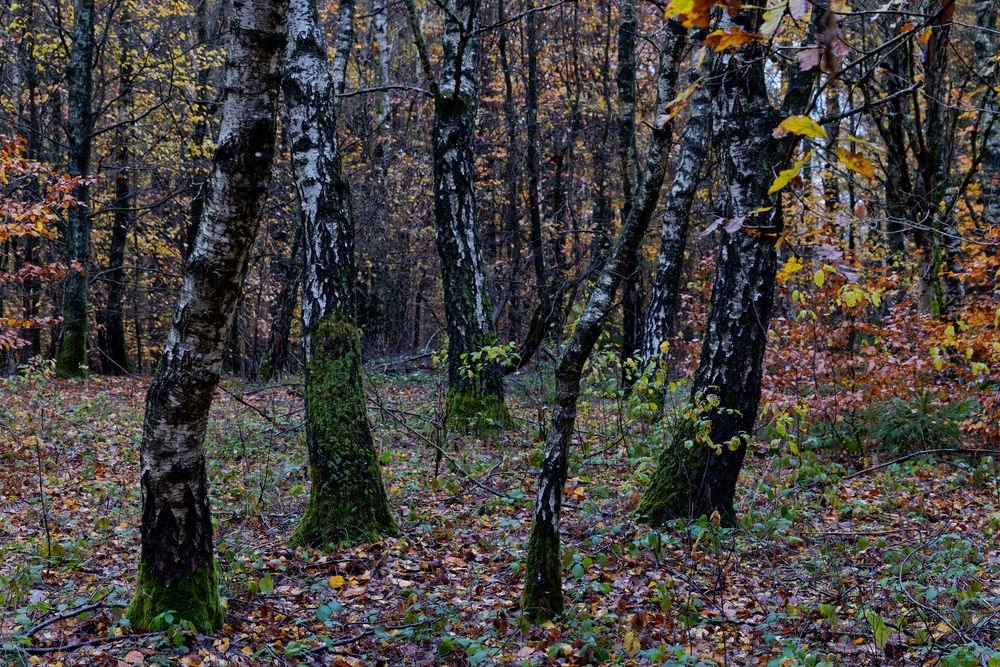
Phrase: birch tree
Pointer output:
(661, 316)
(177, 570)
(475, 386)
(695, 477)
(71, 361)
(986, 49)
(542, 597)
(347, 500)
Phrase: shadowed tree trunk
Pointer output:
(661, 317)
(28, 113)
(695, 480)
(289, 274)
(177, 569)
(71, 360)
(110, 319)
(347, 499)
(628, 29)
(543, 565)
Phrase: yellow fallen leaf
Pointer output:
(336, 581)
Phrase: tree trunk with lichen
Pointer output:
(691, 478)
(475, 387)
(71, 360)
(542, 597)
(347, 500)
(177, 570)
(661, 316)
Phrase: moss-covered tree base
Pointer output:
(194, 598)
(467, 409)
(673, 485)
(543, 598)
(71, 359)
(347, 501)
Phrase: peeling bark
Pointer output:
(693, 481)
(466, 292)
(177, 564)
(347, 500)
(661, 317)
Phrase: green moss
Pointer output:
(467, 408)
(347, 500)
(674, 483)
(194, 598)
(543, 598)
(71, 360)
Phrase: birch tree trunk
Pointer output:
(986, 49)
(177, 569)
(543, 568)
(475, 390)
(691, 481)
(71, 360)
(661, 317)
(347, 499)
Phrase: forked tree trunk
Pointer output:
(661, 317)
(71, 360)
(475, 388)
(543, 568)
(177, 568)
(347, 499)
(691, 481)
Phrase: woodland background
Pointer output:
(869, 504)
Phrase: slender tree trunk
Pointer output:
(110, 319)
(691, 481)
(661, 318)
(177, 569)
(543, 567)
(71, 360)
(28, 112)
(347, 500)
(512, 222)
(289, 273)
(475, 388)
(628, 30)
(986, 48)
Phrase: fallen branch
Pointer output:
(367, 633)
(946, 450)
(64, 648)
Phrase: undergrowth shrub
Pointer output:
(925, 421)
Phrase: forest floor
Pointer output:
(834, 563)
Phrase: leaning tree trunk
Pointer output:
(111, 321)
(695, 480)
(475, 387)
(661, 317)
(177, 568)
(347, 500)
(542, 578)
(71, 360)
